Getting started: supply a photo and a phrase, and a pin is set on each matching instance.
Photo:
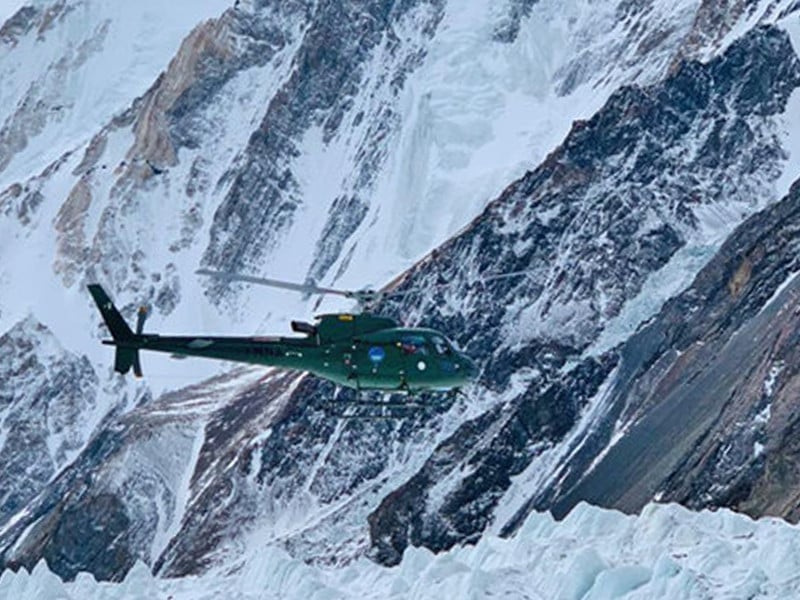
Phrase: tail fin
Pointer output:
(127, 354)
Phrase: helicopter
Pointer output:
(356, 350)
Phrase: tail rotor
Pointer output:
(141, 317)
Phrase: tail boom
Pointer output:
(278, 352)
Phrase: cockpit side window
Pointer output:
(414, 344)
(441, 345)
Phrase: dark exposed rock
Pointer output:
(616, 152)
(20, 23)
(229, 439)
(346, 214)
(104, 511)
(104, 553)
(507, 29)
(41, 17)
(44, 391)
(714, 20)
(707, 385)
(535, 421)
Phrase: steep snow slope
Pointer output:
(667, 552)
(428, 145)
(488, 103)
(69, 67)
(8, 8)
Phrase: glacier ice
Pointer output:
(665, 552)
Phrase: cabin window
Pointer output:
(414, 344)
(441, 346)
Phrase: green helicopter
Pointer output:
(358, 350)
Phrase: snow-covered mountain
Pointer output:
(629, 163)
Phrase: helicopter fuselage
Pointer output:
(395, 359)
(360, 351)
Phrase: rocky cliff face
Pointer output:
(325, 91)
(573, 289)
(279, 118)
(704, 392)
(130, 483)
(48, 402)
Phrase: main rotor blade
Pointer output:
(276, 283)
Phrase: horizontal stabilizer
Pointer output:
(126, 358)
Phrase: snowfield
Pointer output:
(666, 552)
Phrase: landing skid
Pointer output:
(412, 406)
